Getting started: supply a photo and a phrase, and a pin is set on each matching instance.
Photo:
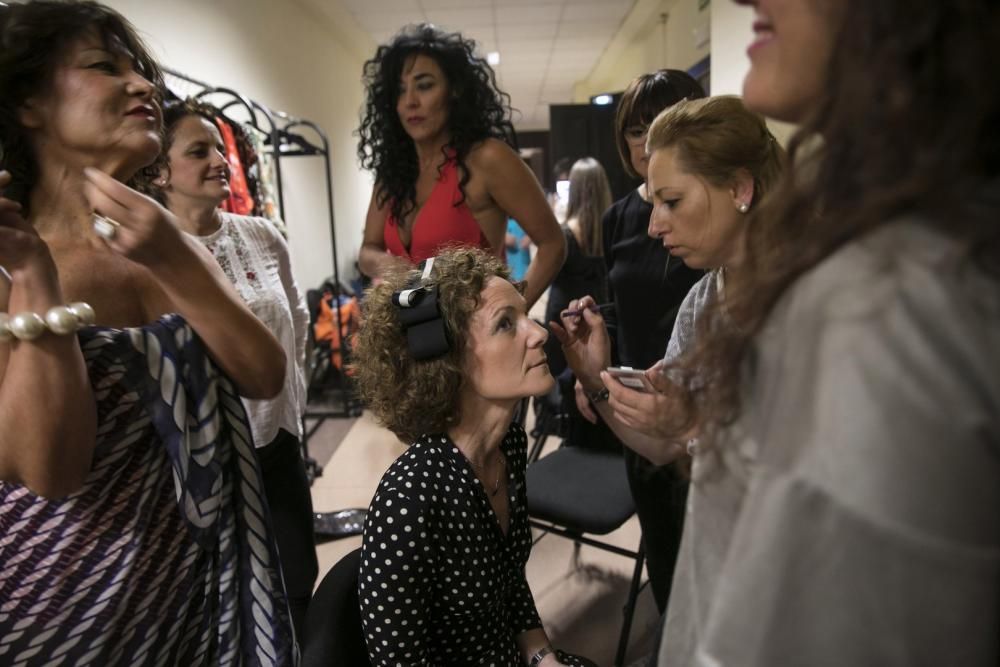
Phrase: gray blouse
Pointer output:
(852, 514)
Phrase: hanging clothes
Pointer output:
(266, 179)
(240, 201)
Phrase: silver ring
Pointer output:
(105, 227)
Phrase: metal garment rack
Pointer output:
(284, 140)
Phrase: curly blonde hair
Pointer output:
(407, 396)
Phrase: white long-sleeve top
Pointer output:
(851, 515)
(255, 258)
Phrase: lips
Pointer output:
(763, 32)
(142, 111)
(414, 120)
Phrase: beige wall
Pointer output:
(732, 31)
(293, 57)
(639, 47)
(731, 34)
(643, 44)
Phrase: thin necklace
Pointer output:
(496, 484)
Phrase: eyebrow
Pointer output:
(99, 49)
(658, 192)
(501, 310)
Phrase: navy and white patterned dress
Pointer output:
(164, 557)
(440, 584)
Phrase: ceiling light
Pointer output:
(493, 58)
(603, 99)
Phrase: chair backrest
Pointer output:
(333, 632)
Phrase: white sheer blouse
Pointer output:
(255, 257)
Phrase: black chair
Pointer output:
(578, 491)
(333, 633)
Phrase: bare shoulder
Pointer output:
(491, 155)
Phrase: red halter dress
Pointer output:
(439, 223)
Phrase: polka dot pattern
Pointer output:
(440, 582)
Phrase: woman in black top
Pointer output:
(584, 271)
(647, 288)
(446, 539)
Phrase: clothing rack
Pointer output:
(287, 136)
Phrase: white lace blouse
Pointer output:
(255, 258)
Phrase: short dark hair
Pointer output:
(34, 37)
(645, 98)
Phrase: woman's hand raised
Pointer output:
(585, 341)
(147, 234)
(142, 230)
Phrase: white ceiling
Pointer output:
(545, 46)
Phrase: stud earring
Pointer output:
(744, 207)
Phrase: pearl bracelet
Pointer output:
(60, 320)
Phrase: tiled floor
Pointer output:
(580, 604)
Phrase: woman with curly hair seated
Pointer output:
(442, 359)
(437, 135)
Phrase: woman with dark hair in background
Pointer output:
(437, 134)
(192, 180)
(647, 287)
(133, 519)
(584, 272)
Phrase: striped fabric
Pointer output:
(164, 557)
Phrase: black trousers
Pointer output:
(660, 494)
(287, 489)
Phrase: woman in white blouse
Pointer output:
(193, 180)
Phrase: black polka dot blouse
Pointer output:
(440, 583)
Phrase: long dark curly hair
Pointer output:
(34, 36)
(479, 110)
(908, 123)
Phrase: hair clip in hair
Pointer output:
(420, 315)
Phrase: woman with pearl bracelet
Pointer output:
(131, 507)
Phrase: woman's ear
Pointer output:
(29, 115)
(742, 190)
(162, 180)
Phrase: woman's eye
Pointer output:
(671, 203)
(199, 153)
(105, 66)
(425, 86)
(504, 324)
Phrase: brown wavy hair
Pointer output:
(407, 396)
(908, 123)
(715, 138)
